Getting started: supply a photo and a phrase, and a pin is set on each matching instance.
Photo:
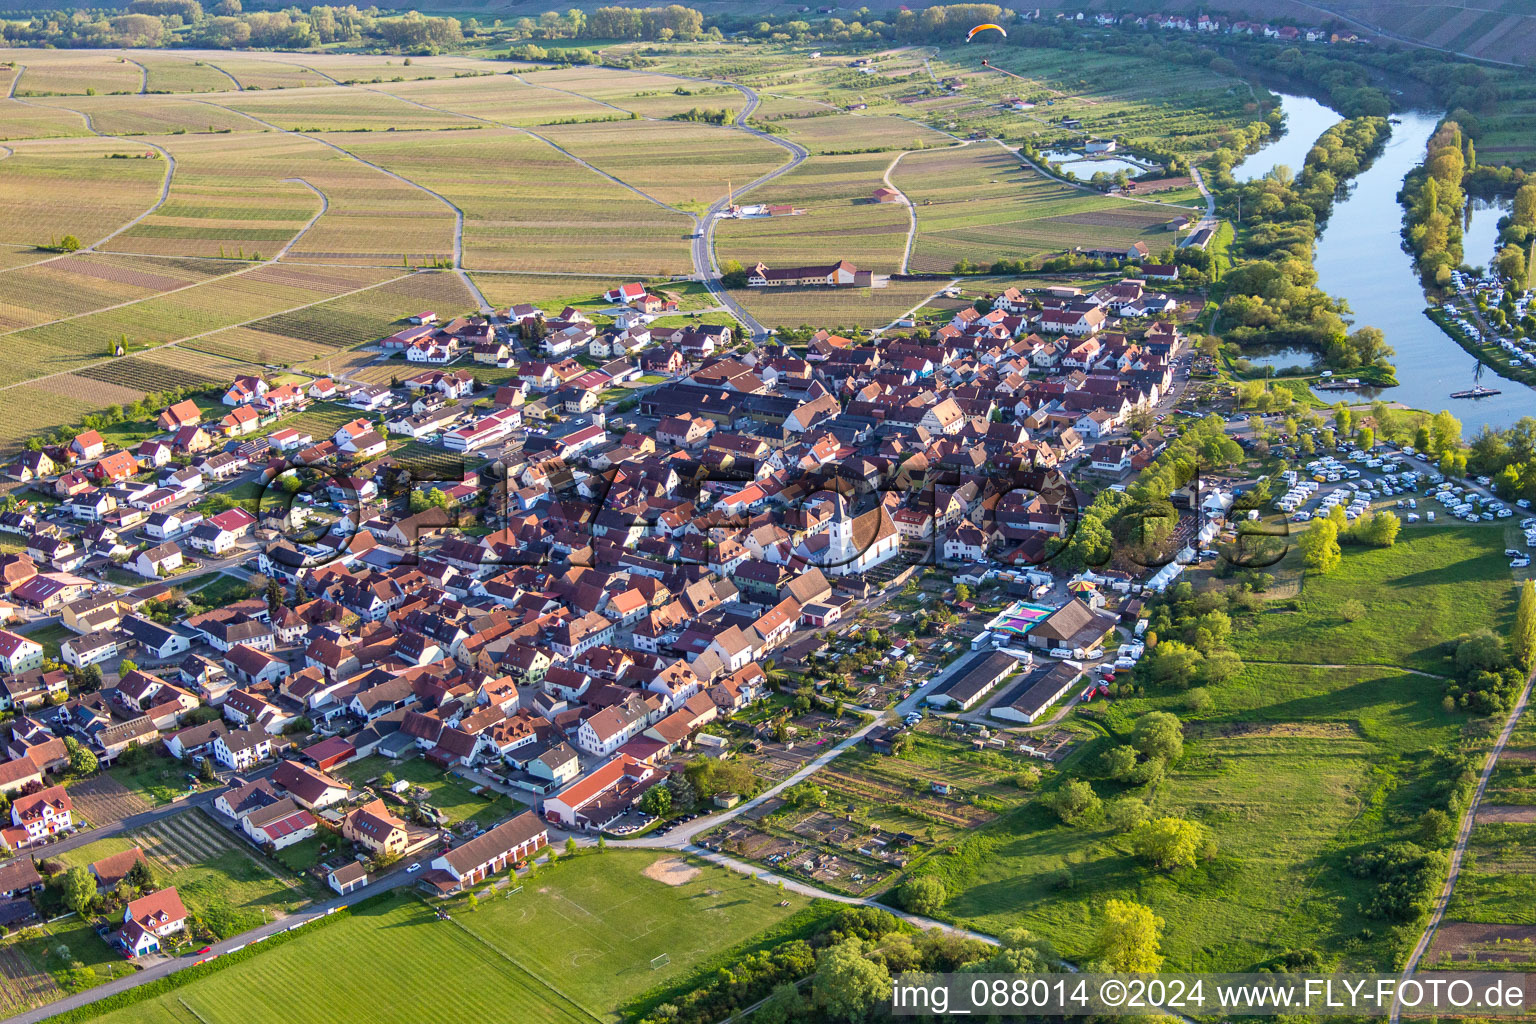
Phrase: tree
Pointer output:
(1074, 802)
(206, 771)
(81, 760)
(1436, 827)
(924, 894)
(79, 889)
(1125, 813)
(471, 902)
(70, 244)
(570, 846)
(784, 1004)
(1320, 546)
(1159, 734)
(848, 984)
(1522, 638)
(656, 801)
(1170, 842)
(1128, 937)
(274, 596)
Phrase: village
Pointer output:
(659, 588)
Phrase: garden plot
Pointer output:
(102, 800)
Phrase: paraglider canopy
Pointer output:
(982, 28)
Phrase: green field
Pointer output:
(1432, 586)
(389, 957)
(1321, 746)
(572, 947)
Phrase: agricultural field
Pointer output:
(1497, 884)
(159, 115)
(31, 119)
(645, 94)
(73, 72)
(316, 333)
(504, 99)
(683, 165)
(833, 307)
(175, 73)
(338, 109)
(71, 285)
(871, 235)
(980, 204)
(74, 187)
(542, 217)
(857, 133)
(252, 71)
(194, 312)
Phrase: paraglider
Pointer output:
(982, 28)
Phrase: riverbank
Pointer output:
(1492, 356)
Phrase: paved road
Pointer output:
(703, 249)
(1463, 834)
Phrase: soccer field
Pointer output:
(571, 947)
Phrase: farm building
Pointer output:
(1032, 695)
(973, 677)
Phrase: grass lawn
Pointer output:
(50, 637)
(448, 793)
(1434, 584)
(573, 947)
(590, 926)
(219, 876)
(218, 589)
(301, 856)
(388, 962)
(1294, 766)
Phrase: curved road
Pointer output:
(704, 239)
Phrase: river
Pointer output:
(1360, 259)
(1305, 120)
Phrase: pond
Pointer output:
(1280, 357)
(1086, 167)
(1480, 230)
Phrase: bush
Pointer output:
(1075, 803)
(924, 895)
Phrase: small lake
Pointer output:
(1305, 120)
(1480, 230)
(1280, 357)
(1086, 167)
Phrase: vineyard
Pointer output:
(145, 375)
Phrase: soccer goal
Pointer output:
(658, 962)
